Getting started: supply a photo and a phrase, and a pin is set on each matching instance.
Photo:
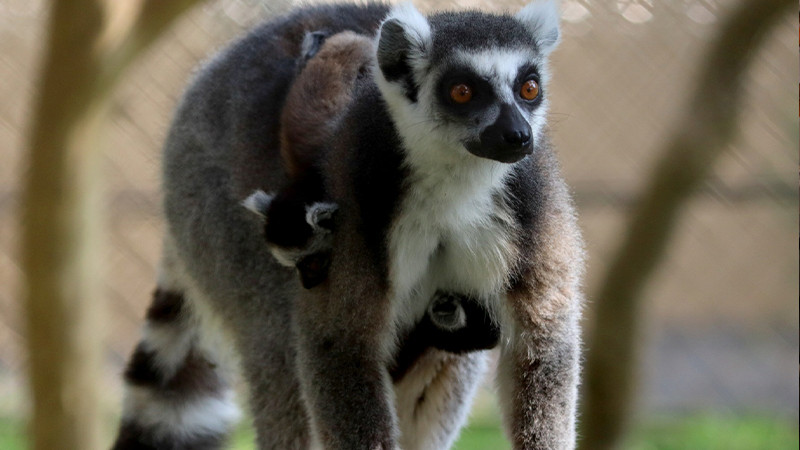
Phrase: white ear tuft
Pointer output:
(541, 17)
(258, 202)
(413, 22)
(404, 37)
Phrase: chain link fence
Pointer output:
(721, 315)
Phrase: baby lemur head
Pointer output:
(467, 83)
(298, 235)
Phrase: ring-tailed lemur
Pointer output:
(445, 181)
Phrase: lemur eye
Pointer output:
(530, 90)
(461, 93)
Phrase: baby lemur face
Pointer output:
(453, 323)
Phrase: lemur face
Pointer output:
(473, 81)
(490, 98)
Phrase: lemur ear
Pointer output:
(403, 41)
(258, 202)
(541, 18)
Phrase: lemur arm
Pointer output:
(540, 352)
(538, 376)
(343, 332)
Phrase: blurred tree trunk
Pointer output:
(698, 139)
(86, 54)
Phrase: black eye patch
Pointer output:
(525, 73)
(481, 93)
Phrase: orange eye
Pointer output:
(461, 93)
(530, 90)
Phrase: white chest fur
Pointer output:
(453, 232)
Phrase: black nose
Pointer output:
(507, 140)
(517, 138)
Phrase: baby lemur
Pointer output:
(298, 219)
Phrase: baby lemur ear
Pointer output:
(403, 42)
(541, 17)
(258, 202)
(312, 42)
(321, 215)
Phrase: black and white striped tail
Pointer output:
(176, 397)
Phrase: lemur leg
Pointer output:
(176, 391)
(434, 398)
(537, 382)
(279, 417)
(344, 342)
(539, 366)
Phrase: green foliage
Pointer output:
(244, 437)
(475, 437)
(697, 432)
(713, 432)
(12, 434)
(482, 437)
(700, 432)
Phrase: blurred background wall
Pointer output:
(721, 316)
